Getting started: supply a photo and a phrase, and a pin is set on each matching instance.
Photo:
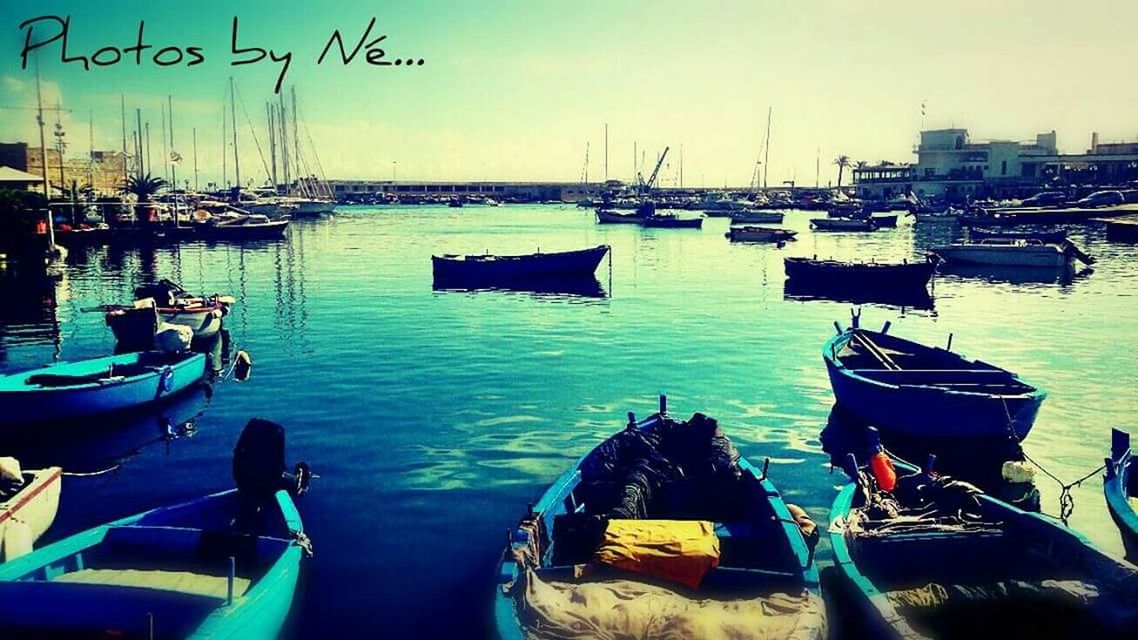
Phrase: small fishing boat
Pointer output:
(921, 555)
(610, 216)
(69, 390)
(490, 269)
(133, 325)
(238, 226)
(671, 221)
(901, 386)
(455, 203)
(1119, 486)
(1013, 252)
(759, 234)
(903, 275)
(1046, 237)
(843, 224)
(29, 500)
(884, 221)
(932, 216)
(221, 566)
(756, 216)
(664, 515)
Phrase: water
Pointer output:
(433, 417)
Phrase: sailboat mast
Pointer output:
(173, 153)
(194, 131)
(296, 143)
(272, 143)
(606, 152)
(767, 149)
(43, 156)
(224, 147)
(140, 163)
(122, 98)
(284, 145)
(91, 149)
(233, 121)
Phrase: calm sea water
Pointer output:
(433, 417)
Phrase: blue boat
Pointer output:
(1118, 486)
(904, 387)
(763, 551)
(70, 390)
(222, 566)
(936, 558)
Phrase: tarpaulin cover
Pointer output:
(681, 551)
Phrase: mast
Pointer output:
(606, 152)
(173, 153)
(818, 167)
(195, 134)
(635, 169)
(91, 148)
(233, 121)
(149, 165)
(224, 148)
(272, 144)
(767, 149)
(43, 155)
(681, 166)
(296, 143)
(165, 150)
(284, 144)
(139, 164)
(123, 106)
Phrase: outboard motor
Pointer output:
(162, 293)
(259, 469)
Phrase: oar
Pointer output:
(875, 351)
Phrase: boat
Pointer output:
(610, 216)
(455, 203)
(1118, 485)
(133, 325)
(938, 558)
(928, 215)
(1013, 252)
(229, 223)
(700, 523)
(29, 500)
(759, 234)
(884, 221)
(1047, 237)
(904, 299)
(761, 217)
(69, 390)
(843, 224)
(904, 275)
(476, 270)
(221, 566)
(671, 221)
(901, 386)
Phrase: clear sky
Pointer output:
(515, 89)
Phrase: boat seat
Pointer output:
(200, 584)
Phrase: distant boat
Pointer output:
(761, 217)
(843, 224)
(68, 390)
(901, 386)
(455, 202)
(489, 269)
(940, 559)
(221, 566)
(609, 216)
(759, 234)
(905, 275)
(28, 504)
(671, 221)
(884, 221)
(949, 216)
(237, 226)
(703, 518)
(1120, 491)
(1012, 252)
(977, 233)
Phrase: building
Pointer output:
(529, 191)
(952, 166)
(102, 171)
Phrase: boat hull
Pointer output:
(759, 234)
(474, 270)
(1118, 487)
(615, 217)
(33, 507)
(205, 323)
(672, 222)
(930, 406)
(21, 403)
(237, 232)
(1006, 256)
(830, 273)
(842, 224)
(762, 217)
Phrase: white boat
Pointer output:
(1008, 252)
(27, 506)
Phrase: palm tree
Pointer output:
(843, 162)
(144, 186)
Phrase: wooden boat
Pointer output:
(610, 216)
(242, 227)
(1118, 485)
(1012, 252)
(759, 234)
(884, 221)
(807, 291)
(903, 275)
(671, 221)
(222, 566)
(951, 562)
(69, 390)
(843, 224)
(1046, 237)
(27, 508)
(761, 217)
(900, 386)
(762, 553)
(492, 269)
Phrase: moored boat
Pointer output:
(884, 221)
(489, 269)
(756, 216)
(662, 515)
(921, 555)
(843, 224)
(203, 315)
(1047, 237)
(901, 386)
(222, 566)
(69, 390)
(611, 216)
(905, 275)
(671, 221)
(1012, 252)
(241, 226)
(29, 500)
(1118, 485)
(759, 234)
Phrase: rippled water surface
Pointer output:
(433, 417)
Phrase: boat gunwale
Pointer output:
(23, 386)
(42, 480)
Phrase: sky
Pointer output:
(515, 90)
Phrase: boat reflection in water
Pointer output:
(1017, 275)
(903, 298)
(584, 287)
(93, 446)
(983, 462)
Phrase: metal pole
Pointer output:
(124, 169)
(233, 121)
(195, 134)
(767, 151)
(606, 152)
(43, 156)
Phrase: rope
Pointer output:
(91, 474)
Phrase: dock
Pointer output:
(1122, 228)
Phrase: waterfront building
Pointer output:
(952, 166)
(102, 171)
(406, 190)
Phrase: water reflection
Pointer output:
(28, 304)
(976, 460)
(1017, 275)
(104, 443)
(919, 299)
(554, 288)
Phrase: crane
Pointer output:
(647, 186)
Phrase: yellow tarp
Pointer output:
(681, 551)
